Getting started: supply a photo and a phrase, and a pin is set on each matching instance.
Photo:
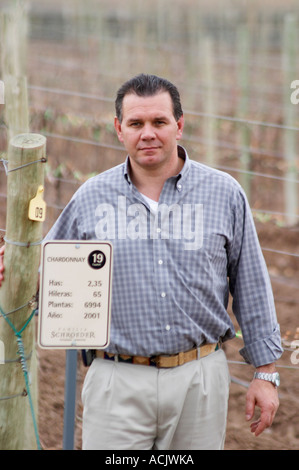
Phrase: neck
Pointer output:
(150, 182)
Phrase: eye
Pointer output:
(135, 124)
(160, 122)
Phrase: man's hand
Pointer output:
(1, 263)
(264, 395)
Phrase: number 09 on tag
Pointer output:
(37, 206)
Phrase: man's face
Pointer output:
(149, 130)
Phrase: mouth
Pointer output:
(149, 148)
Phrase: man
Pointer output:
(183, 236)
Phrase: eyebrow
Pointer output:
(156, 118)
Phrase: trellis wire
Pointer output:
(186, 111)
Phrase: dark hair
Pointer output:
(148, 85)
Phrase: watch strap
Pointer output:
(269, 377)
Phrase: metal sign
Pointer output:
(75, 295)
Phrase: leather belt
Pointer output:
(172, 360)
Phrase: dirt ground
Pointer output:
(284, 433)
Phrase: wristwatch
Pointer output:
(274, 378)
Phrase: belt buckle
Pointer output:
(155, 361)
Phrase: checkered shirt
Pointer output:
(169, 293)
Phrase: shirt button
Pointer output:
(179, 187)
(167, 327)
(160, 261)
(163, 294)
(158, 230)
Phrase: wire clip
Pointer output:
(5, 164)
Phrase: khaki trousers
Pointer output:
(135, 407)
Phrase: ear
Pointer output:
(117, 126)
(180, 124)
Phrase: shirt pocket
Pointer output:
(199, 267)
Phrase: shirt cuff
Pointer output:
(263, 351)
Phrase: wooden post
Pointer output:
(243, 64)
(209, 102)
(290, 52)
(16, 109)
(26, 154)
(13, 29)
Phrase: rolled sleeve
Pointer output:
(263, 351)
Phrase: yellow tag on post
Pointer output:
(37, 206)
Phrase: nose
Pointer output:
(148, 132)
